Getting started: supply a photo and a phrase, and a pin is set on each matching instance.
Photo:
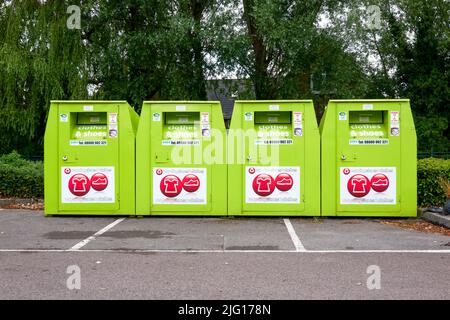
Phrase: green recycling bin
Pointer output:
(369, 159)
(274, 159)
(181, 159)
(89, 158)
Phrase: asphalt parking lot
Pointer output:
(217, 258)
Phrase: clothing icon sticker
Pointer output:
(180, 186)
(272, 184)
(87, 185)
(191, 183)
(170, 186)
(380, 182)
(99, 181)
(368, 185)
(79, 185)
(358, 185)
(284, 182)
(263, 185)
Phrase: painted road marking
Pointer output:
(81, 244)
(295, 239)
(217, 251)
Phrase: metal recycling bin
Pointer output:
(181, 159)
(89, 158)
(369, 159)
(274, 159)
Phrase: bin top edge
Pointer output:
(274, 101)
(369, 100)
(178, 102)
(88, 101)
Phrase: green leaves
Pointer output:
(284, 49)
(430, 172)
(21, 178)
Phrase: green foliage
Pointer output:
(148, 49)
(430, 133)
(430, 171)
(21, 178)
(40, 60)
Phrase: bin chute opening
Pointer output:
(91, 118)
(363, 117)
(182, 118)
(275, 117)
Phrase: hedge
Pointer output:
(25, 179)
(430, 172)
(21, 178)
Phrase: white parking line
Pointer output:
(81, 244)
(295, 239)
(218, 251)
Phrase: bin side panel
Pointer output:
(143, 160)
(51, 192)
(328, 161)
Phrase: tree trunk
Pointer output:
(261, 79)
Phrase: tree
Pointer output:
(39, 60)
(405, 55)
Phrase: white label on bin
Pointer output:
(368, 185)
(298, 125)
(395, 123)
(204, 118)
(113, 131)
(248, 116)
(274, 107)
(156, 116)
(180, 108)
(342, 116)
(87, 185)
(179, 186)
(63, 117)
(367, 107)
(88, 143)
(88, 108)
(272, 184)
(112, 118)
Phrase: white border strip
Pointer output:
(218, 251)
(295, 239)
(81, 244)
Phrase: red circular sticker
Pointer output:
(263, 184)
(79, 184)
(358, 185)
(170, 186)
(284, 182)
(346, 171)
(379, 182)
(99, 181)
(251, 170)
(159, 172)
(191, 183)
(67, 171)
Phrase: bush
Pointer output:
(430, 173)
(21, 178)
